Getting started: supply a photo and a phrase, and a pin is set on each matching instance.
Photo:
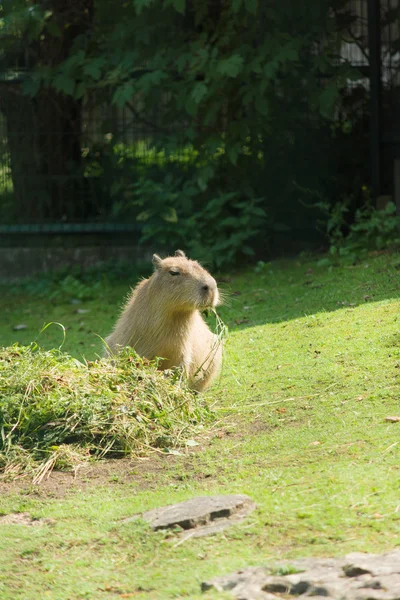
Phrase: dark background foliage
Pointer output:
(246, 119)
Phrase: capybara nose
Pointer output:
(209, 291)
(210, 286)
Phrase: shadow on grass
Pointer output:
(280, 291)
(289, 290)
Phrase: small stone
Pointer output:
(20, 327)
(200, 516)
(392, 419)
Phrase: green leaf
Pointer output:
(202, 184)
(199, 91)
(73, 62)
(31, 86)
(248, 97)
(328, 99)
(191, 106)
(93, 69)
(80, 90)
(170, 215)
(289, 52)
(354, 74)
(182, 61)
(255, 65)
(141, 4)
(251, 6)
(123, 94)
(236, 5)
(53, 28)
(270, 69)
(261, 104)
(230, 66)
(179, 5)
(149, 80)
(65, 84)
(143, 216)
(324, 262)
(259, 212)
(233, 153)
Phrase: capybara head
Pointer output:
(183, 283)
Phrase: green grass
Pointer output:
(311, 372)
(87, 306)
(59, 411)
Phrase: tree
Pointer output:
(44, 125)
(246, 86)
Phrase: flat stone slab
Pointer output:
(357, 576)
(200, 516)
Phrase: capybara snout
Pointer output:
(210, 293)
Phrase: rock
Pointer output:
(384, 564)
(248, 583)
(200, 516)
(357, 576)
(20, 327)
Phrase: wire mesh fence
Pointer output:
(79, 174)
(75, 172)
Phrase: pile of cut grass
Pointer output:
(56, 410)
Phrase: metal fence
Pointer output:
(63, 178)
(74, 189)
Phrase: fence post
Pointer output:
(375, 82)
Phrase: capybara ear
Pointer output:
(156, 261)
(180, 253)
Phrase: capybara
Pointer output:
(162, 319)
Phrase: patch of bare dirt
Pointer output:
(146, 473)
(24, 518)
(112, 471)
(141, 473)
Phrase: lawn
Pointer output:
(311, 373)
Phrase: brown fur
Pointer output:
(162, 318)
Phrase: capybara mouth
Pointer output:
(210, 302)
(205, 305)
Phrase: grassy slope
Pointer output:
(311, 371)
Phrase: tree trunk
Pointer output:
(44, 132)
(44, 145)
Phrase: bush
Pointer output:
(180, 208)
(371, 230)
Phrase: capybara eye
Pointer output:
(174, 273)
